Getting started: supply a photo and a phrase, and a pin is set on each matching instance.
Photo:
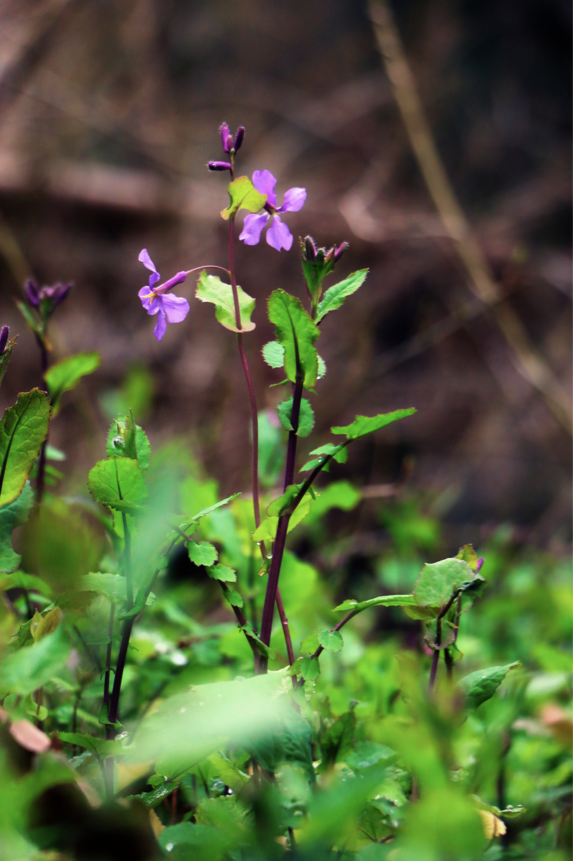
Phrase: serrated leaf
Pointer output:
(439, 580)
(297, 333)
(118, 483)
(243, 195)
(65, 375)
(23, 429)
(274, 354)
(310, 668)
(100, 747)
(305, 419)
(127, 439)
(335, 295)
(210, 288)
(203, 553)
(482, 685)
(363, 425)
(29, 668)
(331, 641)
(222, 572)
(13, 514)
(113, 586)
(382, 601)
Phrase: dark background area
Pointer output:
(109, 112)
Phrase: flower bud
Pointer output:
(4, 332)
(340, 251)
(479, 564)
(239, 135)
(225, 137)
(58, 292)
(229, 143)
(31, 291)
(309, 248)
(219, 165)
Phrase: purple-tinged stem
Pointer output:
(434, 670)
(436, 655)
(40, 480)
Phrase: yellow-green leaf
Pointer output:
(243, 195)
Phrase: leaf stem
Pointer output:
(40, 479)
(436, 655)
(337, 627)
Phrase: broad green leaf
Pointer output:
(19, 580)
(221, 572)
(203, 553)
(468, 554)
(268, 527)
(267, 530)
(13, 514)
(339, 454)
(228, 772)
(310, 668)
(234, 598)
(98, 746)
(439, 580)
(126, 439)
(118, 483)
(113, 586)
(338, 494)
(335, 295)
(29, 668)
(482, 685)
(274, 354)
(23, 429)
(243, 195)
(305, 419)
(153, 798)
(5, 356)
(283, 503)
(297, 333)
(263, 649)
(65, 375)
(271, 448)
(203, 841)
(338, 741)
(382, 601)
(310, 644)
(210, 288)
(363, 425)
(330, 640)
(367, 753)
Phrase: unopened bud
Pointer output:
(219, 165)
(225, 137)
(309, 248)
(340, 251)
(60, 292)
(4, 332)
(229, 143)
(479, 564)
(239, 136)
(32, 293)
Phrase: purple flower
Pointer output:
(278, 234)
(170, 309)
(48, 297)
(4, 332)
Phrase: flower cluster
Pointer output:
(169, 309)
(231, 146)
(46, 299)
(278, 234)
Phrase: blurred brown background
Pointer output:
(109, 112)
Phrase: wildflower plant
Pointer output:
(256, 761)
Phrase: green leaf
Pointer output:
(339, 454)
(65, 375)
(321, 368)
(367, 753)
(126, 439)
(338, 740)
(274, 354)
(305, 419)
(153, 798)
(13, 514)
(29, 668)
(439, 580)
(98, 746)
(338, 494)
(363, 425)
(203, 553)
(19, 580)
(118, 483)
(468, 554)
(261, 647)
(205, 511)
(113, 586)
(482, 685)
(5, 357)
(310, 668)
(23, 429)
(210, 288)
(310, 643)
(382, 601)
(222, 572)
(228, 771)
(233, 598)
(335, 295)
(243, 195)
(330, 640)
(297, 333)
(45, 624)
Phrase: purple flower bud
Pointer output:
(31, 291)
(309, 248)
(479, 565)
(4, 332)
(60, 292)
(229, 143)
(225, 137)
(340, 251)
(239, 135)
(219, 165)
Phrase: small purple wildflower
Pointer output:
(170, 309)
(278, 234)
(4, 332)
(48, 297)
(220, 165)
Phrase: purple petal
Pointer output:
(175, 308)
(264, 182)
(150, 303)
(160, 326)
(294, 200)
(224, 136)
(146, 260)
(252, 228)
(279, 236)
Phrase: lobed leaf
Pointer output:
(243, 195)
(335, 295)
(274, 354)
(65, 375)
(331, 641)
(439, 580)
(203, 553)
(118, 483)
(113, 586)
(127, 439)
(23, 429)
(221, 572)
(305, 419)
(210, 288)
(297, 333)
(363, 425)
